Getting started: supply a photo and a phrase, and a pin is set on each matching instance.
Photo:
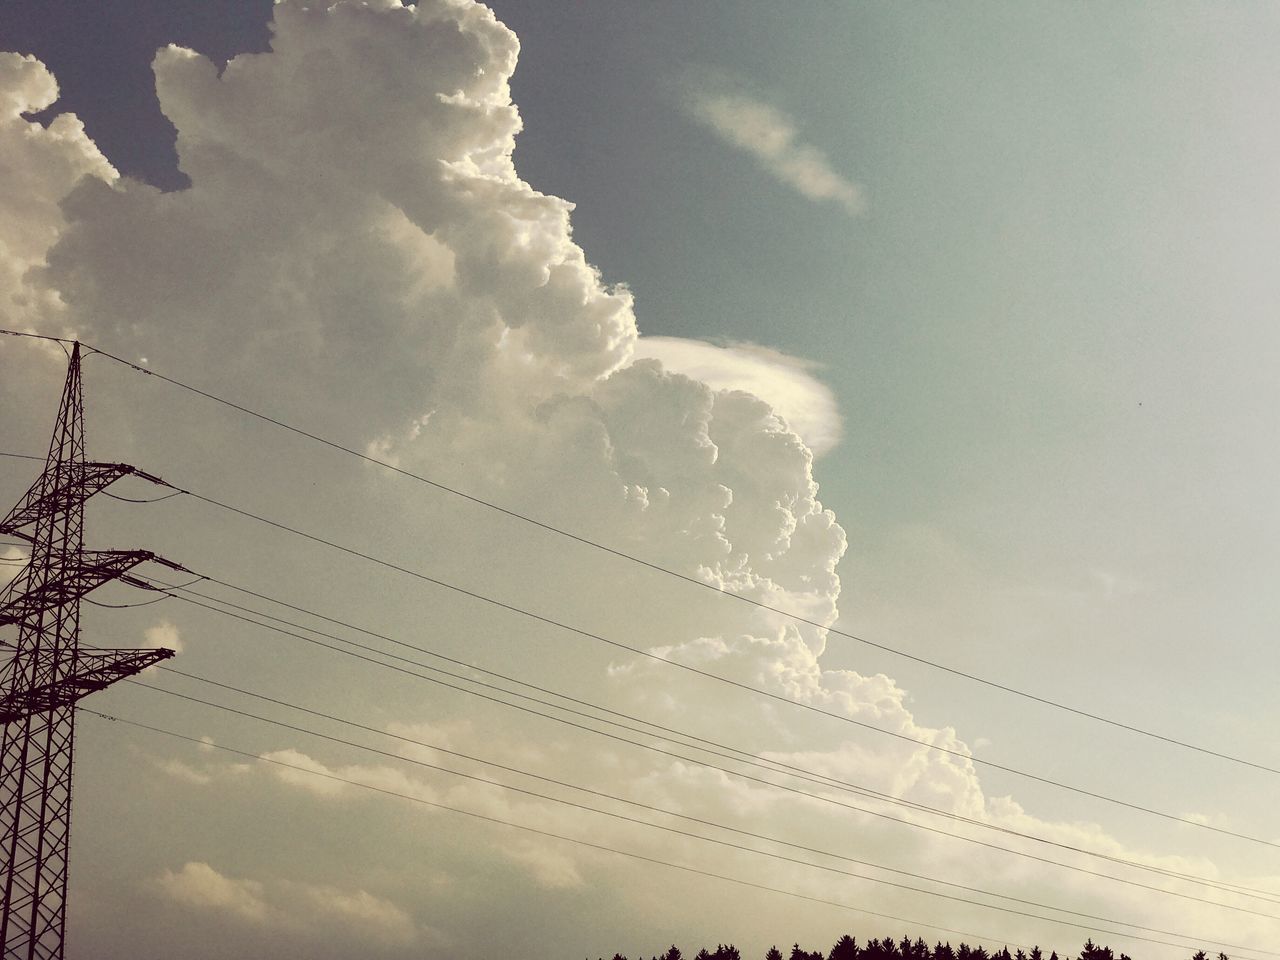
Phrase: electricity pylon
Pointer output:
(46, 673)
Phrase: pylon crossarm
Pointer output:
(91, 672)
(24, 598)
(74, 484)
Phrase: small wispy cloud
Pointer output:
(772, 138)
(185, 772)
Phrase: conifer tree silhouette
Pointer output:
(846, 948)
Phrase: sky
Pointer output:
(946, 327)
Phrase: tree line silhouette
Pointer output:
(846, 948)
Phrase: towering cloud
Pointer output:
(356, 252)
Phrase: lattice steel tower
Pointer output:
(45, 673)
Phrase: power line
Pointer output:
(742, 756)
(719, 842)
(621, 554)
(116, 496)
(672, 813)
(669, 572)
(177, 491)
(594, 544)
(718, 677)
(40, 336)
(701, 583)
(799, 774)
(543, 833)
(735, 753)
(124, 606)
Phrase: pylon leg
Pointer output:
(35, 830)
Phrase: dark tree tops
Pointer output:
(846, 948)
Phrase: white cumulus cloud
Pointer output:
(164, 634)
(309, 909)
(199, 885)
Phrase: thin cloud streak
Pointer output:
(771, 137)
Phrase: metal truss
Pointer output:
(47, 673)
